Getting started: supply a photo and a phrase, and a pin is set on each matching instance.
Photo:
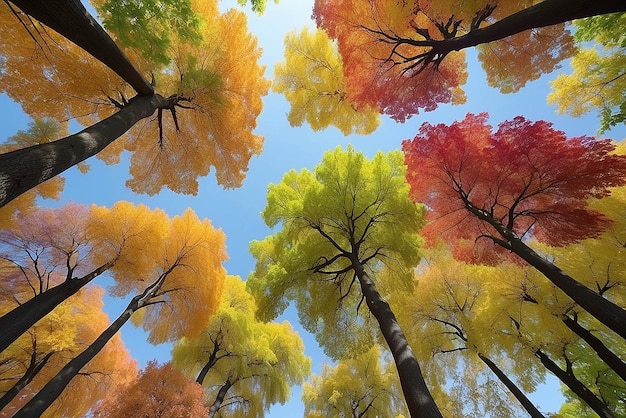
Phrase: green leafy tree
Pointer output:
(598, 79)
(245, 365)
(341, 226)
(357, 387)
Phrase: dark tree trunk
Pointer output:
(221, 395)
(23, 169)
(418, 398)
(605, 311)
(544, 13)
(16, 322)
(209, 364)
(604, 353)
(51, 391)
(512, 387)
(576, 386)
(70, 19)
(34, 367)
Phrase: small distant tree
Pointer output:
(158, 391)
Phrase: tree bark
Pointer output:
(221, 394)
(604, 353)
(576, 386)
(16, 322)
(51, 391)
(512, 387)
(70, 19)
(209, 364)
(23, 169)
(418, 398)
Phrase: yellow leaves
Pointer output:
(311, 78)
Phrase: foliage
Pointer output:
(360, 387)
(261, 360)
(216, 84)
(371, 75)
(57, 338)
(348, 205)
(159, 390)
(312, 80)
(598, 79)
(528, 176)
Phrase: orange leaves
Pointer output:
(159, 390)
(381, 69)
(527, 176)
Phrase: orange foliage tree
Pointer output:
(401, 57)
(211, 87)
(41, 352)
(499, 188)
(175, 298)
(158, 391)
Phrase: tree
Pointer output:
(41, 352)
(212, 89)
(158, 391)
(357, 387)
(526, 179)
(244, 365)
(184, 286)
(450, 320)
(598, 79)
(342, 225)
(50, 254)
(312, 80)
(401, 57)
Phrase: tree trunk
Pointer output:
(51, 391)
(544, 13)
(576, 386)
(209, 364)
(605, 311)
(604, 353)
(418, 398)
(70, 19)
(23, 169)
(34, 368)
(519, 395)
(16, 322)
(221, 394)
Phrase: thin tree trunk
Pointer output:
(70, 19)
(16, 322)
(512, 387)
(51, 391)
(221, 395)
(576, 386)
(604, 353)
(34, 368)
(418, 398)
(23, 169)
(209, 364)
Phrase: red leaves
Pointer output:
(527, 177)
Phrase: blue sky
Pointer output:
(237, 212)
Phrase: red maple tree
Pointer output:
(499, 188)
